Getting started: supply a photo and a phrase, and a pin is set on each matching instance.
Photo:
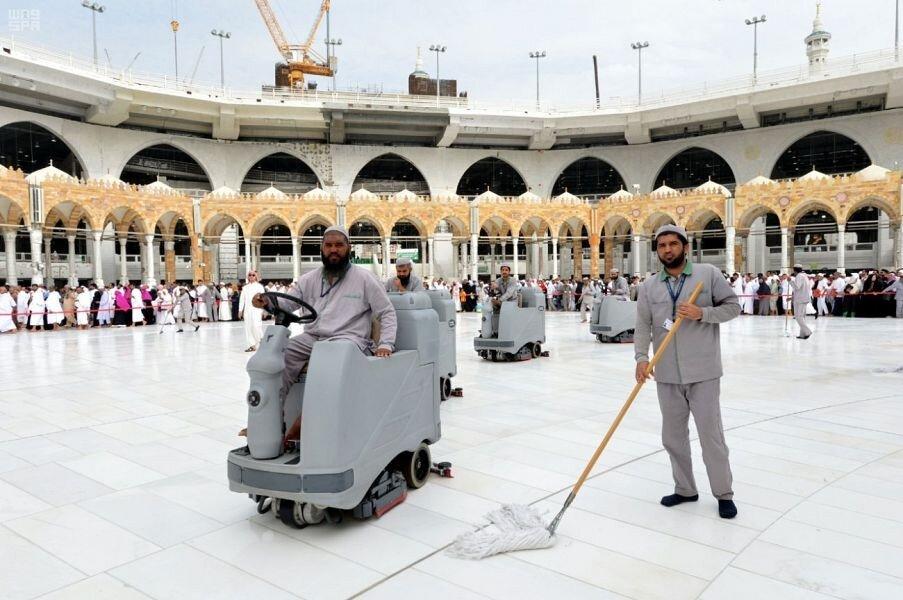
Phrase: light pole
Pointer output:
(95, 8)
(755, 23)
(537, 54)
(331, 43)
(222, 35)
(438, 49)
(897, 30)
(638, 46)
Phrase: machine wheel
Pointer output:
(416, 466)
(313, 515)
(290, 514)
(263, 506)
(600, 338)
(493, 355)
(333, 516)
(445, 388)
(537, 350)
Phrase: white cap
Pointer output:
(403, 261)
(337, 229)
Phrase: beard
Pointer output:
(334, 268)
(672, 264)
(404, 280)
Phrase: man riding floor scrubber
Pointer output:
(514, 328)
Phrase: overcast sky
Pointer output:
(691, 41)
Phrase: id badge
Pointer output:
(668, 324)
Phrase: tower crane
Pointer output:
(300, 59)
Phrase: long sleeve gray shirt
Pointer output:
(507, 290)
(801, 288)
(695, 351)
(346, 309)
(414, 284)
(618, 286)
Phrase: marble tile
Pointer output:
(738, 584)
(54, 484)
(112, 471)
(99, 587)
(407, 583)
(28, 570)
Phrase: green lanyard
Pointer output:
(675, 296)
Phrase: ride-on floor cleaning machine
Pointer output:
(368, 422)
(613, 319)
(521, 331)
(448, 346)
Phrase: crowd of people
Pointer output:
(868, 294)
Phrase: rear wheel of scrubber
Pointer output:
(416, 466)
(264, 504)
(600, 337)
(334, 516)
(290, 514)
(537, 350)
(445, 388)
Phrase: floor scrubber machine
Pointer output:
(613, 319)
(448, 346)
(521, 329)
(368, 422)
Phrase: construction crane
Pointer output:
(300, 59)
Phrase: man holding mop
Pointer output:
(688, 375)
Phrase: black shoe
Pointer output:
(178, 331)
(727, 509)
(675, 499)
(196, 327)
(803, 337)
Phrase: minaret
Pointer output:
(817, 43)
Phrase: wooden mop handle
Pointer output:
(633, 394)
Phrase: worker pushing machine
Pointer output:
(404, 280)
(507, 288)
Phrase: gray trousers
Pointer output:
(677, 402)
(211, 310)
(297, 354)
(900, 309)
(799, 315)
(186, 315)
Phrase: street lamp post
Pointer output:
(537, 54)
(438, 49)
(95, 8)
(755, 23)
(222, 35)
(638, 46)
(331, 43)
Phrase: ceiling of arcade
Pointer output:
(143, 211)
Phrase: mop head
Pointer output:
(889, 370)
(513, 527)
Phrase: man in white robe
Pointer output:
(202, 308)
(36, 308)
(54, 308)
(83, 307)
(137, 306)
(105, 308)
(225, 302)
(6, 311)
(253, 316)
(22, 306)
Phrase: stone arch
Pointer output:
(655, 220)
(369, 220)
(807, 207)
(122, 217)
(422, 229)
(267, 220)
(399, 173)
(167, 219)
(314, 219)
(167, 144)
(458, 226)
(10, 133)
(534, 224)
(488, 172)
(699, 218)
(498, 226)
(604, 178)
(271, 151)
(219, 222)
(693, 166)
(809, 151)
(10, 211)
(871, 200)
(864, 220)
(71, 213)
(754, 212)
(572, 227)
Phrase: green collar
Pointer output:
(688, 270)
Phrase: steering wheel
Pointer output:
(285, 318)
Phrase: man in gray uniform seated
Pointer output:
(405, 280)
(506, 287)
(347, 298)
(618, 284)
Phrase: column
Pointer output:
(257, 255)
(431, 244)
(37, 265)
(463, 269)
(9, 242)
(149, 253)
(594, 240)
(387, 260)
(296, 259)
(841, 247)
(169, 260)
(577, 256)
(554, 257)
(610, 254)
(515, 263)
(197, 257)
(898, 247)
(474, 256)
(214, 262)
(249, 265)
(97, 262)
(535, 263)
(730, 233)
(73, 278)
(48, 262)
(123, 273)
(785, 255)
(635, 251)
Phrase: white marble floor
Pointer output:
(112, 476)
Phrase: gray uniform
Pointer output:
(897, 288)
(618, 287)
(508, 293)
(414, 284)
(345, 311)
(688, 374)
(186, 309)
(802, 296)
(212, 297)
